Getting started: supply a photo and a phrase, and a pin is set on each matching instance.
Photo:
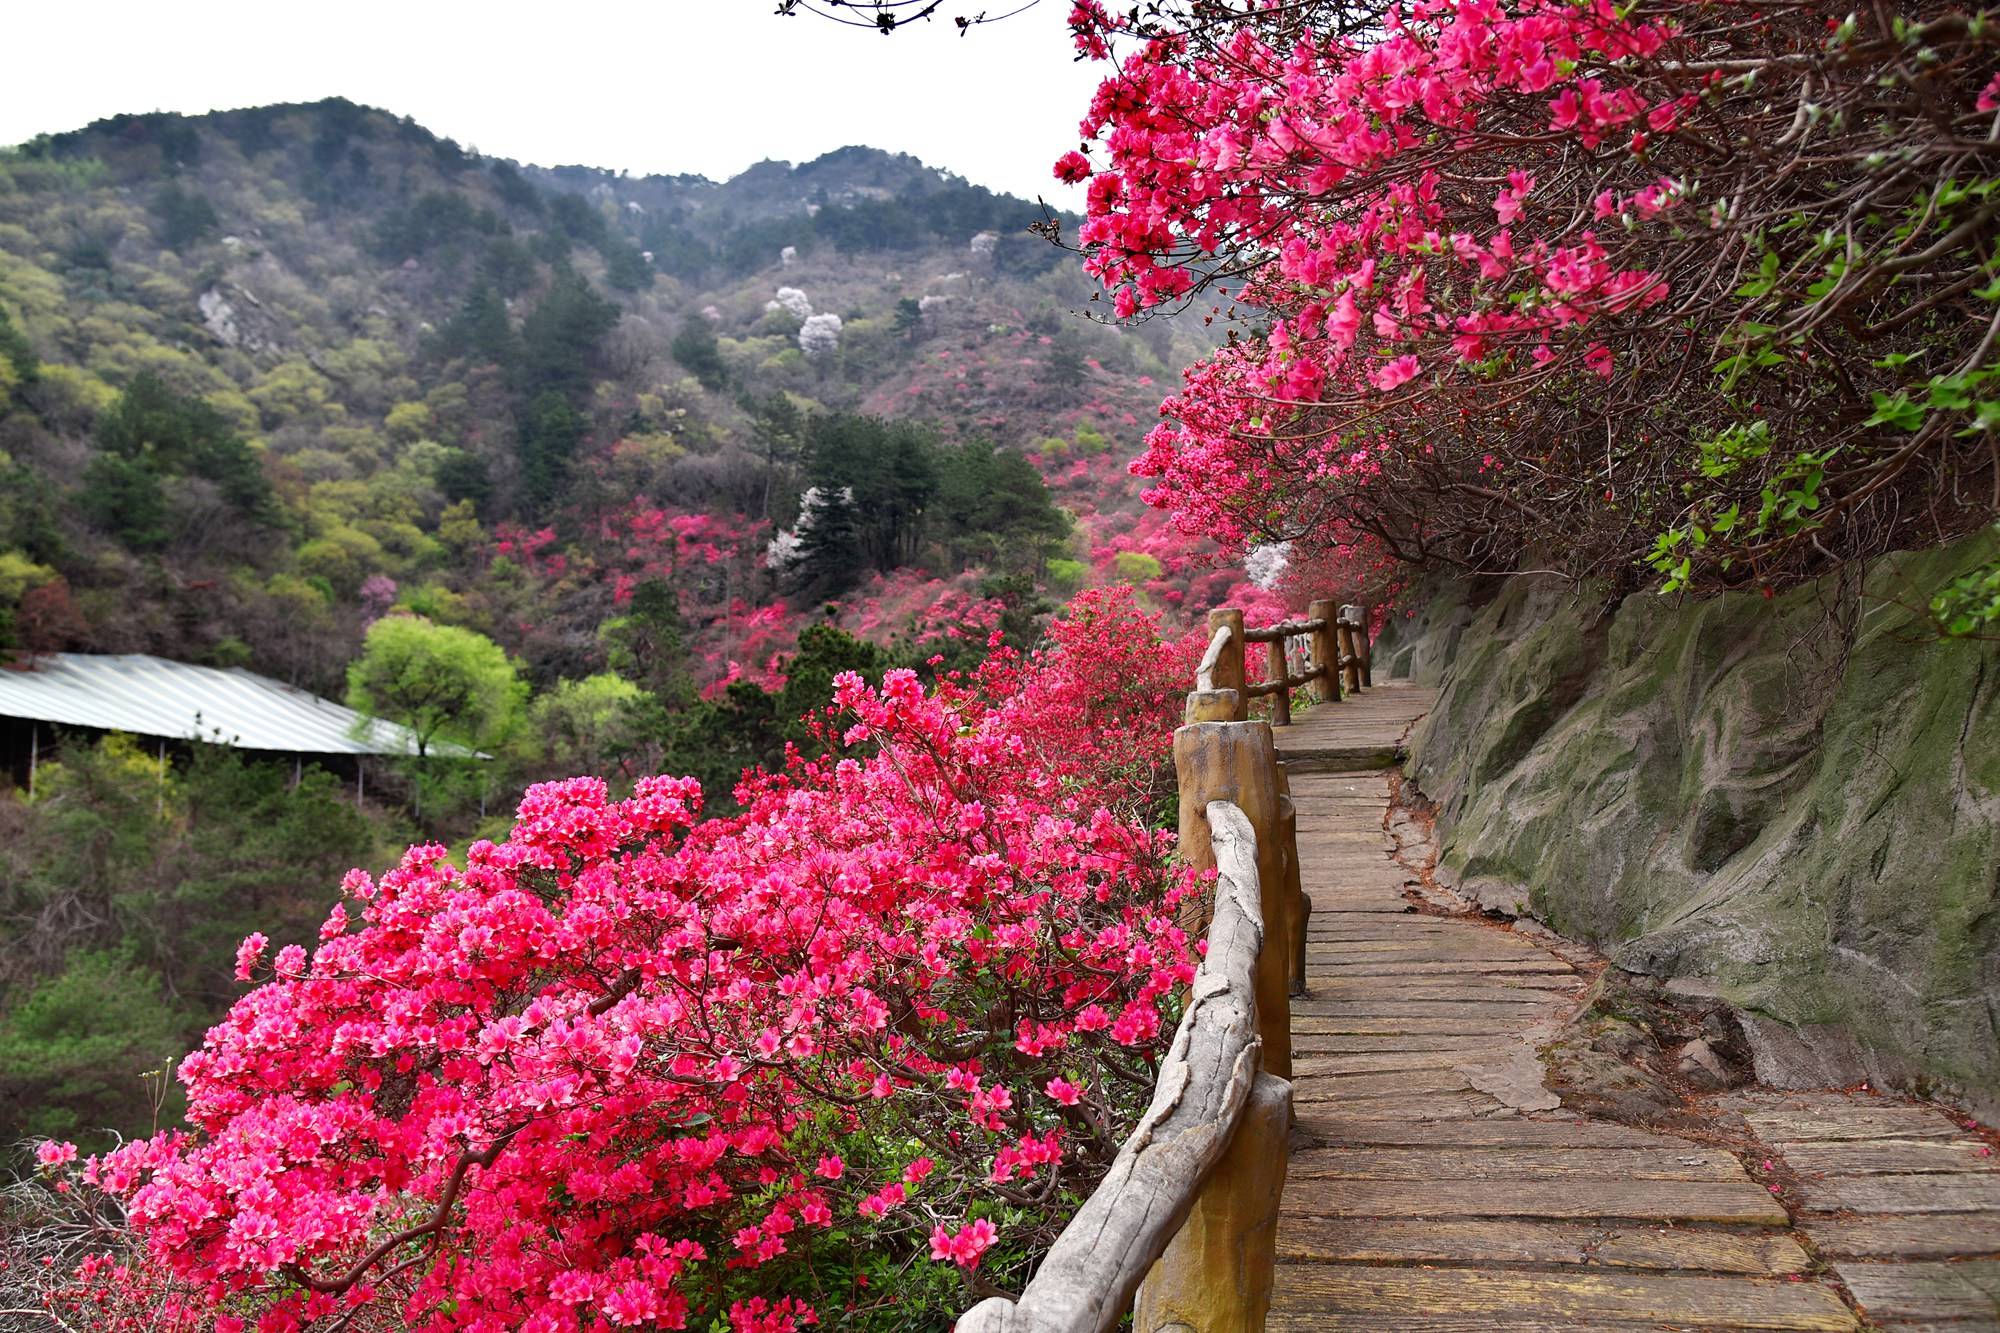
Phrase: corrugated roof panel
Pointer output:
(151, 696)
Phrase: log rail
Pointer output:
(1210, 1088)
(1182, 1231)
(1331, 648)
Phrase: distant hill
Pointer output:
(269, 372)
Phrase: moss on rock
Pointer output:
(1798, 797)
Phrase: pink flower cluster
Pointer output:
(964, 1247)
(608, 1068)
(1345, 174)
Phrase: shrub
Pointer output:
(630, 1068)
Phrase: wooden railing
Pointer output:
(1182, 1231)
(1331, 646)
(1207, 1157)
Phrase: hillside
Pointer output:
(635, 465)
(407, 375)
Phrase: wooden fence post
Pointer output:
(1229, 672)
(1237, 762)
(1276, 668)
(1326, 648)
(1350, 651)
(1217, 1273)
(1301, 913)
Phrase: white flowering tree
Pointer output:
(789, 547)
(819, 336)
(1265, 565)
(793, 301)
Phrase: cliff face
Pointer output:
(1791, 802)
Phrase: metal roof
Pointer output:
(151, 696)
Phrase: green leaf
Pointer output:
(1898, 411)
(1950, 392)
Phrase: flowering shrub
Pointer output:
(819, 336)
(627, 1068)
(1709, 288)
(1098, 702)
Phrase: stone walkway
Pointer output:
(1436, 1184)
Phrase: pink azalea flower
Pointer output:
(1395, 373)
(249, 952)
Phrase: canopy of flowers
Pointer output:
(1709, 287)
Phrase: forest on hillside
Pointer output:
(636, 465)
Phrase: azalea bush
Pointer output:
(851, 1056)
(1703, 290)
(1097, 703)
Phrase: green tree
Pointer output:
(152, 433)
(185, 217)
(886, 494)
(437, 220)
(779, 428)
(832, 557)
(576, 219)
(480, 329)
(29, 508)
(750, 727)
(625, 268)
(889, 469)
(75, 1049)
(994, 509)
(648, 644)
(507, 265)
(1136, 567)
(824, 651)
(515, 188)
(463, 476)
(442, 682)
(127, 888)
(548, 433)
(408, 422)
(124, 495)
(562, 338)
(1064, 370)
(16, 350)
(695, 347)
(581, 721)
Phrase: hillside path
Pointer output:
(1434, 1182)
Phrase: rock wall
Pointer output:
(1792, 803)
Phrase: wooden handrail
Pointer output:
(1218, 644)
(1291, 682)
(1087, 1282)
(1285, 629)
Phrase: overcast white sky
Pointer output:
(706, 86)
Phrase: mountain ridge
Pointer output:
(420, 346)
